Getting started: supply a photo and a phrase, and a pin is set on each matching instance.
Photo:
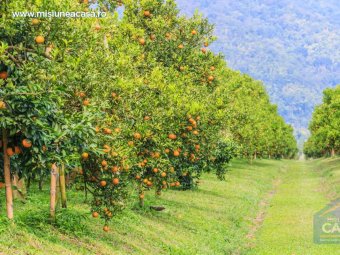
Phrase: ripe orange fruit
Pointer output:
(2, 105)
(177, 183)
(95, 215)
(102, 183)
(167, 151)
(167, 35)
(147, 117)
(195, 132)
(82, 94)
(104, 163)
(163, 174)
(189, 128)
(137, 136)
(172, 136)
(115, 181)
(17, 150)
(86, 102)
(149, 183)
(206, 44)
(147, 14)
(141, 196)
(130, 143)
(155, 170)
(181, 46)
(142, 41)
(176, 153)
(3, 75)
(211, 78)
(117, 130)
(204, 50)
(35, 22)
(194, 32)
(212, 68)
(97, 27)
(10, 151)
(39, 39)
(114, 95)
(106, 228)
(106, 148)
(85, 155)
(107, 131)
(145, 181)
(152, 37)
(163, 182)
(138, 177)
(26, 143)
(115, 169)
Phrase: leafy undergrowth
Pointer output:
(213, 219)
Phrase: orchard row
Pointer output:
(132, 100)
(325, 126)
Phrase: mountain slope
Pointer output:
(290, 45)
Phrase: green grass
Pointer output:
(288, 226)
(211, 220)
(214, 219)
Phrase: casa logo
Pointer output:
(327, 224)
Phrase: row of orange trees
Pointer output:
(325, 126)
(133, 101)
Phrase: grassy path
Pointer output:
(288, 225)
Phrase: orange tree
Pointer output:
(45, 119)
(173, 50)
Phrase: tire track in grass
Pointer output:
(288, 226)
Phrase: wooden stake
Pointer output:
(53, 193)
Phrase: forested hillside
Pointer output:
(290, 45)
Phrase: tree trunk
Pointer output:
(20, 188)
(28, 183)
(53, 192)
(7, 175)
(141, 202)
(332, 152)
(62, 186)
(141, 196)
(15, 186)
(40, 183)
